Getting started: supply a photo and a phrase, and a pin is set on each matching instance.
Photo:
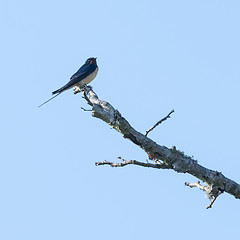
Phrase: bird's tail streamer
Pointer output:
(49, 100)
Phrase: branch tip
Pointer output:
(159, 122)
(86, 110)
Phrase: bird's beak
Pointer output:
(94, 61)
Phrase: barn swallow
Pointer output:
(86, 73)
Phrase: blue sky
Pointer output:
(153, 56)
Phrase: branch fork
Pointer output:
(211, 192)
(163, 157)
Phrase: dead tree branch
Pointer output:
(211, 192)
(134, 162)
(171, 158)
(159, 122)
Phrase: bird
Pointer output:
(85, 74)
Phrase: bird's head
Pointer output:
(91, 61)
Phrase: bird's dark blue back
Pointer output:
(84, 69)
(82, 73)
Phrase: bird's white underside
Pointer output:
(88, 79)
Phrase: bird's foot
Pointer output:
(84, 88)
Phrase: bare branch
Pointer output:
(213, 200)
(84, 90)
(76, 90)
(211, 192)
(171, 158)
(86, 110)
(159, 122)
(134, 162)
(198, 185)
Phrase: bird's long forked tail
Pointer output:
(49, 99)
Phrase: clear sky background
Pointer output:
(153, 56)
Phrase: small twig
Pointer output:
(86, 110)
(212, 193)
(77, 90)
(134, 162)
(198, 185)
(85, 90)
(159, 122)
(213, 200)
(122, 159)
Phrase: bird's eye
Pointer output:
(89, 60)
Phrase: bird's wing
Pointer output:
(82, 73)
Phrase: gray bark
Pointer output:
(163, 157)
